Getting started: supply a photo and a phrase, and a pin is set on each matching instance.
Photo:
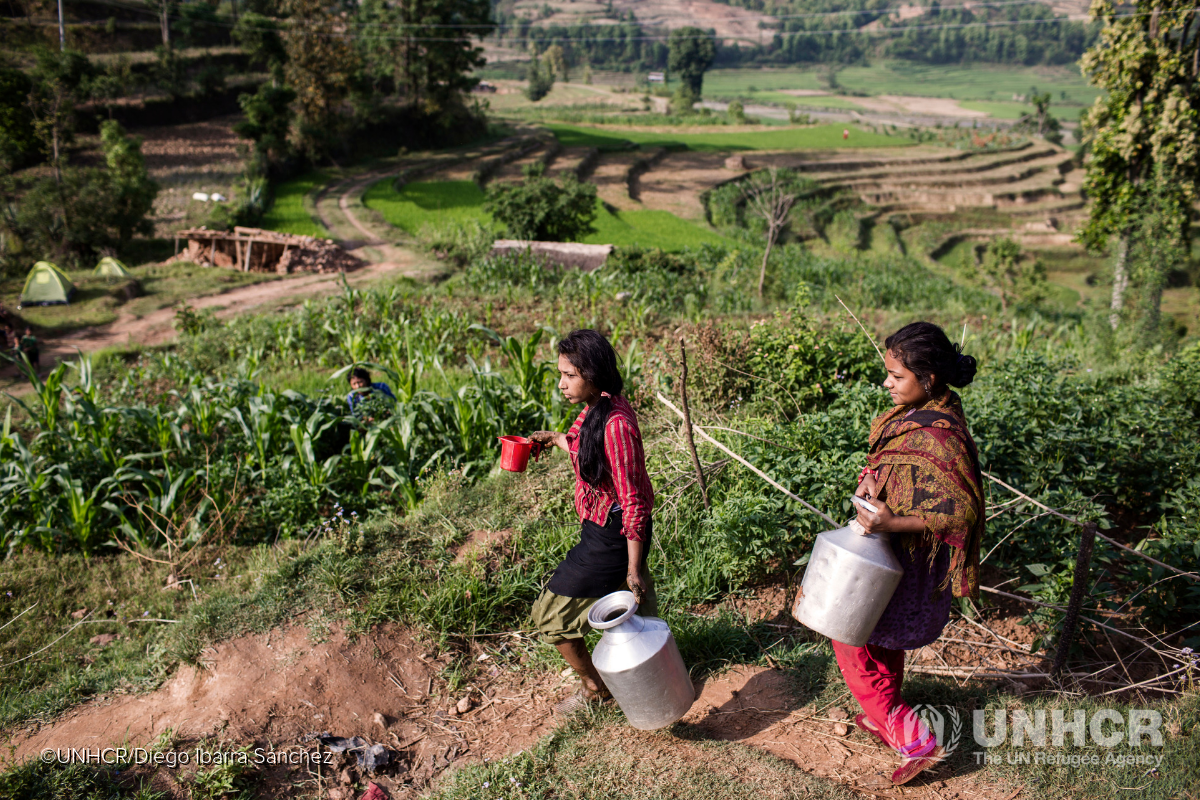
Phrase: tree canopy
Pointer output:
(1145, 128)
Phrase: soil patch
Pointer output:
(278, 688)
(757, 707)
(480, 544)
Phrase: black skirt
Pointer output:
(599, 564)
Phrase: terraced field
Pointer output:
(652, 191)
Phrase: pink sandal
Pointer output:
(911, 767)
(864, 722)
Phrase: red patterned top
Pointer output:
(627, 484)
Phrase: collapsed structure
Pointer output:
(258, 250)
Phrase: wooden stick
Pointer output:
(1079, 587)
(1191, 575)
(1031, 601)
(748, 465)
(687, 428)
(870, 338)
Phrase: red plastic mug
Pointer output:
(515, 452)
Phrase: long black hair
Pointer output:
(591, 354)
(926, 350)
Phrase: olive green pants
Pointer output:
(560, 618)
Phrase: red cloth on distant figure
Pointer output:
(874, 675)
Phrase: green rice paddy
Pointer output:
(426, 202)
(818, 137)
(290, 212)
(440, 202)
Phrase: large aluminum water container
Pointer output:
(640, 663)
(849, 581)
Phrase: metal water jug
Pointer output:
(640, 663)
(849, 581)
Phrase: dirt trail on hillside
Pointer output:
(158, 326)
(390, 687)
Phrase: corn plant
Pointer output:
(402, 437)
(48, 394)
(262, 424)
(83, 508)
(319, 474)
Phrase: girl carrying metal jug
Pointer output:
(613, 498)
(923, 476)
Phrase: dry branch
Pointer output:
(747, 464)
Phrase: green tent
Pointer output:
(47, 285)
(110, 268)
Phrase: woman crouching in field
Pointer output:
(923, 475)
(613, 498)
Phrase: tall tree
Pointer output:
(690, 52)
(131, 190)
(770, 197)
(1144, 129)
(437, 50)
(321, 65)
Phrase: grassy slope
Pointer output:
(818, 137)
(97, 302)
(426, 203)
(290, 213)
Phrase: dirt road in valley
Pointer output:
(158, 326)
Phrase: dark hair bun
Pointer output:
(926, 350)
(963, 372)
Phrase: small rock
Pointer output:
(345, 778)
(840, 729)
(103, 639)
(735, 162)
(79, 614)
(379, 719)
(838, 713)
(464, 705)
(339, 793)
(623, 296)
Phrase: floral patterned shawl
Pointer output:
(928, 466)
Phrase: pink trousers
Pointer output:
(873, 675)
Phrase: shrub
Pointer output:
(542, 209)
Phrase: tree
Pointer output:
(60, 80)
(131, 191)
(268, 120)
(556, 60)
(1143, 132)
(1041, 122)
(690, 52)
(1005, 269)
(540, 209)
(18, 138)
(437, 51)
(321, 64)
(769, 197)
(736, 111)
(539, 79)
(259, 36)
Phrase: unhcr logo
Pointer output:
(1106, 728)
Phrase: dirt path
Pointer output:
(388, 687)
(158, 326)
(281, 687)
